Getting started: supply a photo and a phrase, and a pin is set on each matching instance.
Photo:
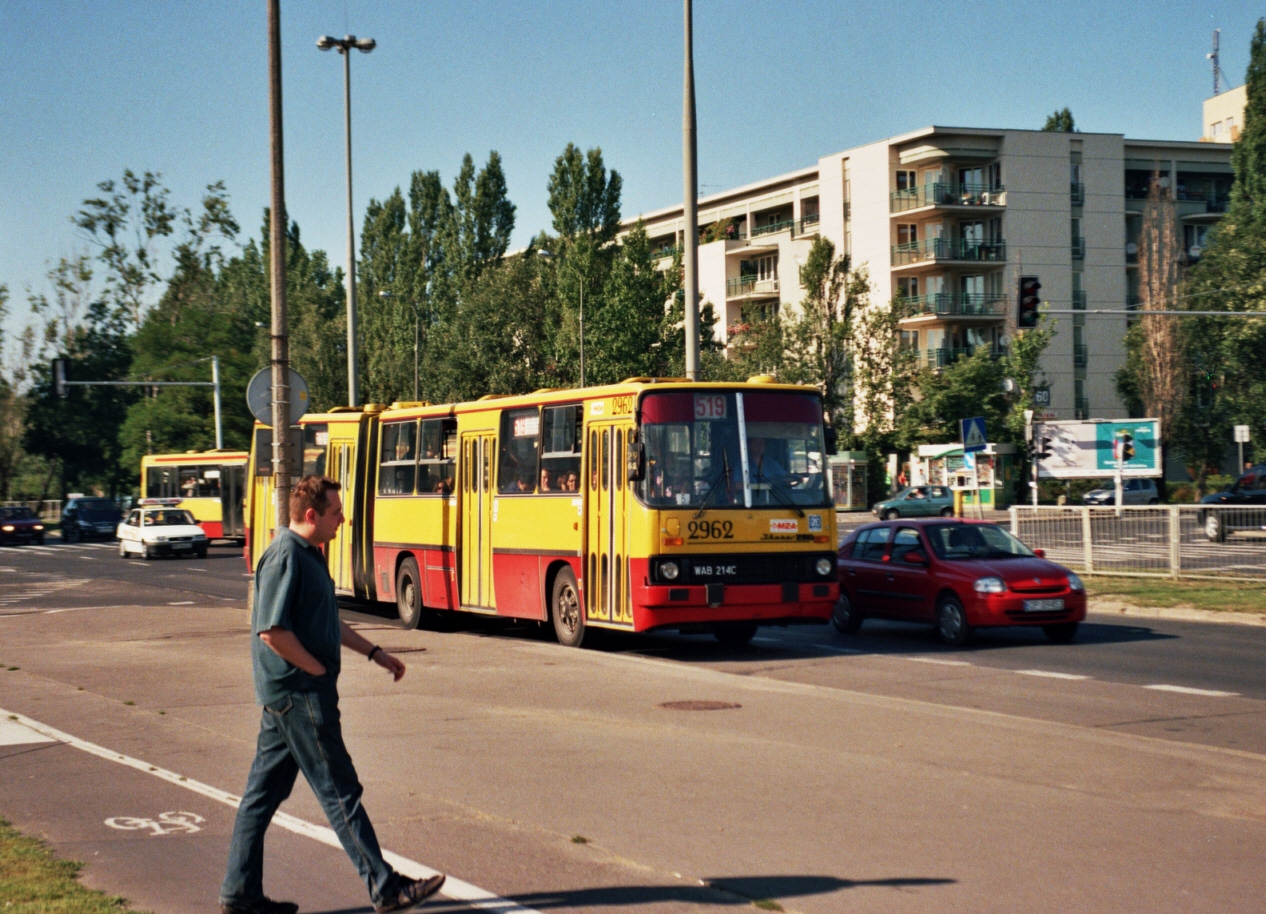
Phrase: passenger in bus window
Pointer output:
(523, 484)
(545, 480)
(571, 481)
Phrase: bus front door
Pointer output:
(476, 497)
(606, 586)
(339, 550)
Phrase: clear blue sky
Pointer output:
(91, 87)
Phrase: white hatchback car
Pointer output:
(148, 532)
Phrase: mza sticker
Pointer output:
(815, 523)
(784, 526)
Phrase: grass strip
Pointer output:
(1228, 596)
(34, 881)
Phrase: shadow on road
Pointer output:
(727, 892)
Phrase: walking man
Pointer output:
(295, 654)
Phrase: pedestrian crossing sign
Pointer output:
(974, 438)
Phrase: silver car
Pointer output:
(1134, 492)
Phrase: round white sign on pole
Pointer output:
(259, 396)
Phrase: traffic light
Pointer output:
(1026, 316)
(1043, 448)
(1127, 448)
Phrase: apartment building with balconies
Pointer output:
(949, 218)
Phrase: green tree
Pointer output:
(416, 265)
(1228, 386)
(583, 198)
(818, 336)
(1060, 122)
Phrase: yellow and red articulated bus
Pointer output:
(654, 504)
(210, 484)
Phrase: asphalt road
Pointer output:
(878, 772)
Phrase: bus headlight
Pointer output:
(669, 570)
(7, 528)
(39, 526)
(823, 566)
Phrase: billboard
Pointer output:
(1078, 450)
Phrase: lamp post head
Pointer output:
(365, 45)
(325, 42)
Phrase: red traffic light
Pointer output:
(1027, 315)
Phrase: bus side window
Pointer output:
(520, 437)
(399, 452)
(618, 457)
(561, 440)
(437, 456)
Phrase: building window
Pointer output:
(910, 339)
(907, 234)
(908, 286)
(995, 174)
(907, 180)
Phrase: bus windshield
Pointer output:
(733, 449)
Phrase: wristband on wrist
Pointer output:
(370, 655)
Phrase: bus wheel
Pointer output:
(409, 593)
(735, 635)
(565, 609)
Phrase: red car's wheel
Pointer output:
(951, 622)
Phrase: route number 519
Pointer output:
(709, 406)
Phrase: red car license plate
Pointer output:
(1043, 606)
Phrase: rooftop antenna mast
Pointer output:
(1217, 70)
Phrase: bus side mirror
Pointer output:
(831, 441)
(635, 459)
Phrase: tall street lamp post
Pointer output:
(344, 46)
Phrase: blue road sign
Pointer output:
(974, 438)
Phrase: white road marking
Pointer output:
(13, 733)
(456, 889)
(938, 661)
(88, 558)
(167, 823)
(1049, 675)
(139, 564)
(181, 603)
(1187, 690)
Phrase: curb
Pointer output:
(1175, 613)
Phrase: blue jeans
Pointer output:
(302, 733)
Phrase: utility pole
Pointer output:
(277, 226)
(690, 203)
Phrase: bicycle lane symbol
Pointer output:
(167, 823)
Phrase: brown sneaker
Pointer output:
(412, 892)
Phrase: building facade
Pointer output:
(950, 218)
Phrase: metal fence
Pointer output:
(49, 510)
(1163, 541)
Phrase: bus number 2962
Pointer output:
(710, 530)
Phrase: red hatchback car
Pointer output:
(956, 575)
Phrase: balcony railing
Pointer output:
(1079, 301)
(1077, 193)
(1081, 356)
(984, 304)
(1081, 407)
(809, 223)
(1079, 247)
(750, 285)
(772, 229)
(946, 193)
(948, 249)
(661, 253)
(944, 357)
